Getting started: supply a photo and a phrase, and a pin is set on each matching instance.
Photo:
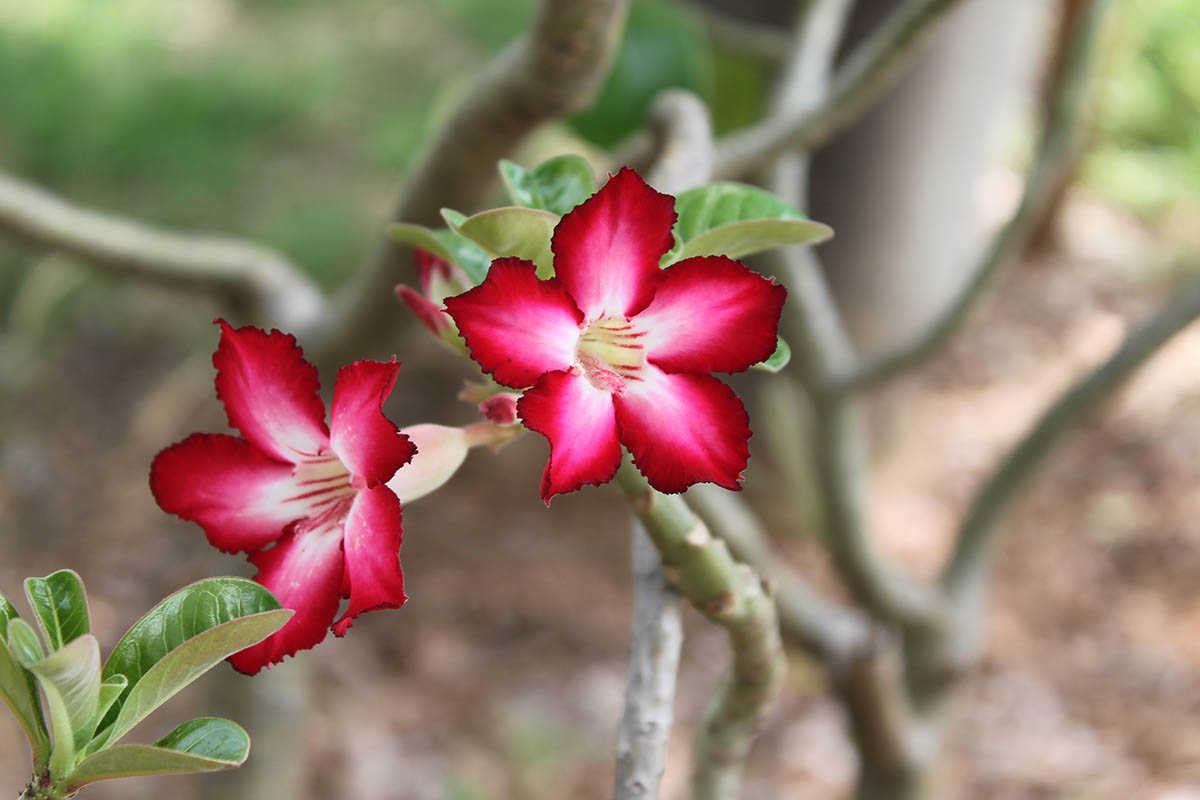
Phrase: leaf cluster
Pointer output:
(74, 710)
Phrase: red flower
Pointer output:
(317, 494)
(618, 351)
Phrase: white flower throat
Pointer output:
(611, 353)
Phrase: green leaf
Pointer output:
(24, 642)
(778, 359)
(513, 231)
(18, 690)
(183, 637)
(735, 220)
(202, 745)
(70, 679)
(444, 243)
(60, 604)
(557, 185)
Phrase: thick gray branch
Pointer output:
(555, 69)
(1045, 174)
(256, 280)
(646, 718)
(868, 72)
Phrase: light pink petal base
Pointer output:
(304, 571)
(684, 429)
(711, 314)
(578, 420)
(372, 547)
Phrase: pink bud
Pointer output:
(500, 408)
(441, 451)
(430, 315)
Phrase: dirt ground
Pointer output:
(502, 677)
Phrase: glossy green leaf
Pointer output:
(513, 231)
(778, 359)
(184, 636)
(111, 691)
(444, 243)
(18, 690)
(202, 745)
(557, 185)
(70, 679)
(60, 605)
(735, 220)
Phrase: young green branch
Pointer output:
(1052, 157)
(732, 596)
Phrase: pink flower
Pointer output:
(309, 503)
(618, 351)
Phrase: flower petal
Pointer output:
(364, 439)
(372, 547)
(304, 571)
(683, 429)
(710, 314)
(577, 419)
(516, 325)
(228, 486)
(270, 392)
(606, 251)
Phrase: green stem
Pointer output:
(731, 595)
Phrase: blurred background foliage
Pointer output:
(1146, 152)
(292, 121)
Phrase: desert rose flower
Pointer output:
(617, 351)
(309, 503)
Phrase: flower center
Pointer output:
(322, 486)
(611, 353)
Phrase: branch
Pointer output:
(967, 569)
(869, 71)
(683, 145)
(825, 350)
(730, 595)
(555, 69)
(738, 33)
(254, 279)
(647, 715)
(1053, 157)
(830, 631)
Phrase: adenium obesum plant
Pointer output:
(75, 737)
(615, 351)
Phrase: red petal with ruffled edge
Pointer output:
(229, 487)
(606, 251)
(516, 325)
(366, 441)
(372, 546)
(578, 420)
(304, 571)
(683, 429)
(711, 314)
(270, 392)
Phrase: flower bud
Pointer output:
(441, 450)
